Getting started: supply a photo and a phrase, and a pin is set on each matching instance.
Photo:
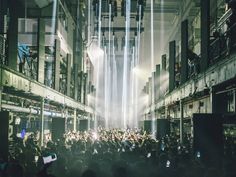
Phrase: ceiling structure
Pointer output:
(166, 14)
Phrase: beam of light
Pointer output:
(108, 75)
(114, 86)
(164, 80)
(126, 61)
(141, 74)
(99, 22)
(136, 102)
(99, 68)
(139, 31)
(162, 32)
(95, 135)
(89, 21)
(137, 59)
(106, 87)
(132, 113)
(95, 53)
(152, 80)
(135, 84)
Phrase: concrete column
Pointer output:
(75, 121)
(172, 57)
(181, 128)
(81, 86)
(90, 87)
(184, 52)
(144, 89)
(234, 100)
(147, 88)
(78, 55)
(213, 100)
(219, 101)
(153, 87)
(75, 64)
(68, 80)
(1, 31)
(157, 85)
(13, 38)
(89, 121)
(205, 34)
(76, 80)
(163, 73)
(42, 122)
(85, 76)
(41, 50)
(57, 65)
(3, 10)
(150, 90)
(1, 87)
(163, 62)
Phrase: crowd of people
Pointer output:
(110, 153)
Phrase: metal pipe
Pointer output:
(19, 109)
(33, 111)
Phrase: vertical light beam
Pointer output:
(125, 72)
(152, 80)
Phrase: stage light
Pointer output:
(95, 136)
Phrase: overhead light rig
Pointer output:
(105, 8)
(135, 4)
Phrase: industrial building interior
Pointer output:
(157, 77)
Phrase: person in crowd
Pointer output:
(110, 153)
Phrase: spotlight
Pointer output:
(95, 136)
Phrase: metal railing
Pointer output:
(222, 44)
(223, 40)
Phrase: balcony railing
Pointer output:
(223, 40)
